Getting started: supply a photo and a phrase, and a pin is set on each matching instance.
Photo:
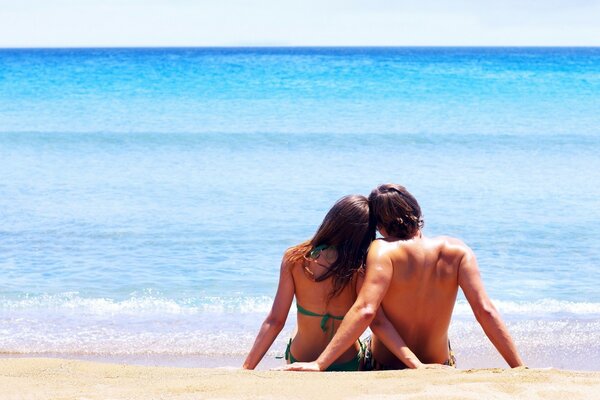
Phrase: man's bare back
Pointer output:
(421, 295)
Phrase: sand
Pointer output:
(37, 378)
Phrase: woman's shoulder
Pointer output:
(293, 256)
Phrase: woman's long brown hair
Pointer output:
(350, 228)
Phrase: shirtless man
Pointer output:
(415, 280)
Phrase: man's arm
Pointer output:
(377, 280)
(488, 317)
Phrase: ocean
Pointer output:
(147, 195)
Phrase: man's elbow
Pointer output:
(367, 313)
(486, 312)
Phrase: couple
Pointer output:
(403, 286)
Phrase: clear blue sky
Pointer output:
(41, 23)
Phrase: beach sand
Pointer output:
(37, 378)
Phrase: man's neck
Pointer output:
(418, 235)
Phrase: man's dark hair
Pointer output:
(396, 210)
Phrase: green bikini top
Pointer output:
(324, 318)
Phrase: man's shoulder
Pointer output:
(390, 250)
(379, 244)
(382, 247)
(449, 240)
(452, 245)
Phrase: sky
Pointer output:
(116, 23)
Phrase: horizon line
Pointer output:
(125, 47)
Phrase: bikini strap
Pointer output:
(324, 317)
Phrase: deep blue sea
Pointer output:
(147, 195)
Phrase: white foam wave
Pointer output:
(558, 343)
(545, 307)
(144, 304)
(148, 324)
(149, 304)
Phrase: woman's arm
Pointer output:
(378, 275)
(275, 321)
(383, 328)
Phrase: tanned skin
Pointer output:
(415, 282)
(309, 339)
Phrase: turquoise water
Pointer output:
(146, 195)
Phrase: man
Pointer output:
(415, 280)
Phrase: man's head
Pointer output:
(396, 211)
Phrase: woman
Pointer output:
(322, 273)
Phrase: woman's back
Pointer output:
(321, 274)
(319, 313)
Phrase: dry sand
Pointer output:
(71, 379)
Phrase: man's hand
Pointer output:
(301, 366)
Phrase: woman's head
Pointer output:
(349, 228)
(396, 211)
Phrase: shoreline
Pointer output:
(482, 356)
(153, 360)
(73, 379)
